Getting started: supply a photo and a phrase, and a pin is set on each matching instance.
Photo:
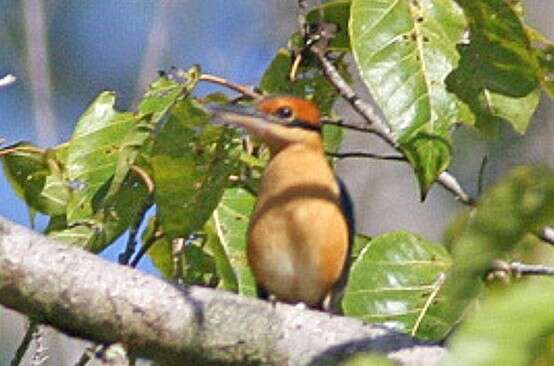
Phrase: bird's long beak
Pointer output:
(246, 117)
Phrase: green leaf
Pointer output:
(395, 280)
(518, 111)
(497, 73)
(513, 328)
(332, 137)
(499, 48)
(522, 203)
(191, 163)
(222, 262)
(404, 51)
(367, 359)
(160, 254)
(93, 152)
(162, 95)
(36, 176)
(360, 242)
(230, 220)
(112, 217)
(197, 265)
(337, 12)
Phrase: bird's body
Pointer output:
(300, 233)
(297, 240)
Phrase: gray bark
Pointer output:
(87, 297)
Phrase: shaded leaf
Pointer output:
(191, 164)
(395, 280)
(404, 51)
(160, 254)
(513, 328)
(523, 202)
(499, 48)
(497, 73)
(221, 259)
(230, 220)
(337, 12)
(162, 95)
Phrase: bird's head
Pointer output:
(279, 121)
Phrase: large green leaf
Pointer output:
(404, 51)
(191, 163)
(515, 328)
(152, 110)
(36, 176)
(497, 73)
(396, 280)
(93, 152)
(230, 221)
(521, 203)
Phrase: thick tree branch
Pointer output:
(86, 296)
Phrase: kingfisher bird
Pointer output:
(300, 234)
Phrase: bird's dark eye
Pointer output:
(284, 112)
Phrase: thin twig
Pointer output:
(87, 355)
(29, 149)
(360, 154)
(521, 269)
(148, 181)
(25, 343)
(158, 234)
(244, 90)
(364, 109)
(451, 184)
(481, 178)
(7, 80)
(358, 128)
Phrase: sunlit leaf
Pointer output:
(230, 220)
(396, 280)
(404, 51)
(37, 178)
(93, 152)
